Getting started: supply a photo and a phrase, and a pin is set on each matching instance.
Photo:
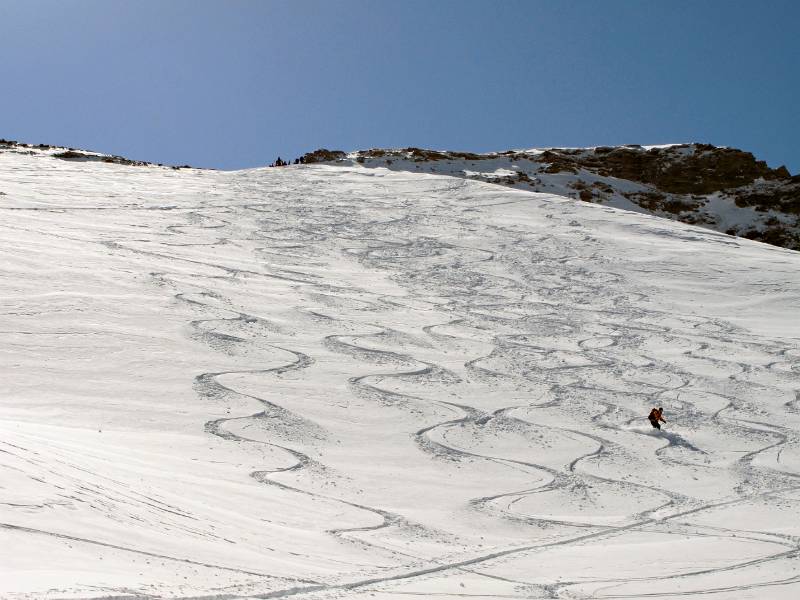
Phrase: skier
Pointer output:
(655, 417)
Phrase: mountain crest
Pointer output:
(720, 188)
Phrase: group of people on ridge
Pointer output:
(284, 163)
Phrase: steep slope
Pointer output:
(338, 381)
(723, 189)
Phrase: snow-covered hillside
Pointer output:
(723, 189)
(345, 381)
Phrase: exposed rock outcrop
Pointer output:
(65, 153)
(323, 155)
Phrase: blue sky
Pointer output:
(233, 84)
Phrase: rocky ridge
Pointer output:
(719, 188)
(66, 153)
(724, 189)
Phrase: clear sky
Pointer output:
(232, 84)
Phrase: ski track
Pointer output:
(522, 341)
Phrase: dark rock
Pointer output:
(682, 169)
(73, 155)
(323, 155)
(782, 172)
(117, 160)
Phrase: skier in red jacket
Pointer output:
(655, 417)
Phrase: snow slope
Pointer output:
(338, 381)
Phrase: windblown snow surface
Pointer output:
(349, 382)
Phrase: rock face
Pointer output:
(725, 189)
(703, 170)
(323, 155)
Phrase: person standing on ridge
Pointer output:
(655, 417)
